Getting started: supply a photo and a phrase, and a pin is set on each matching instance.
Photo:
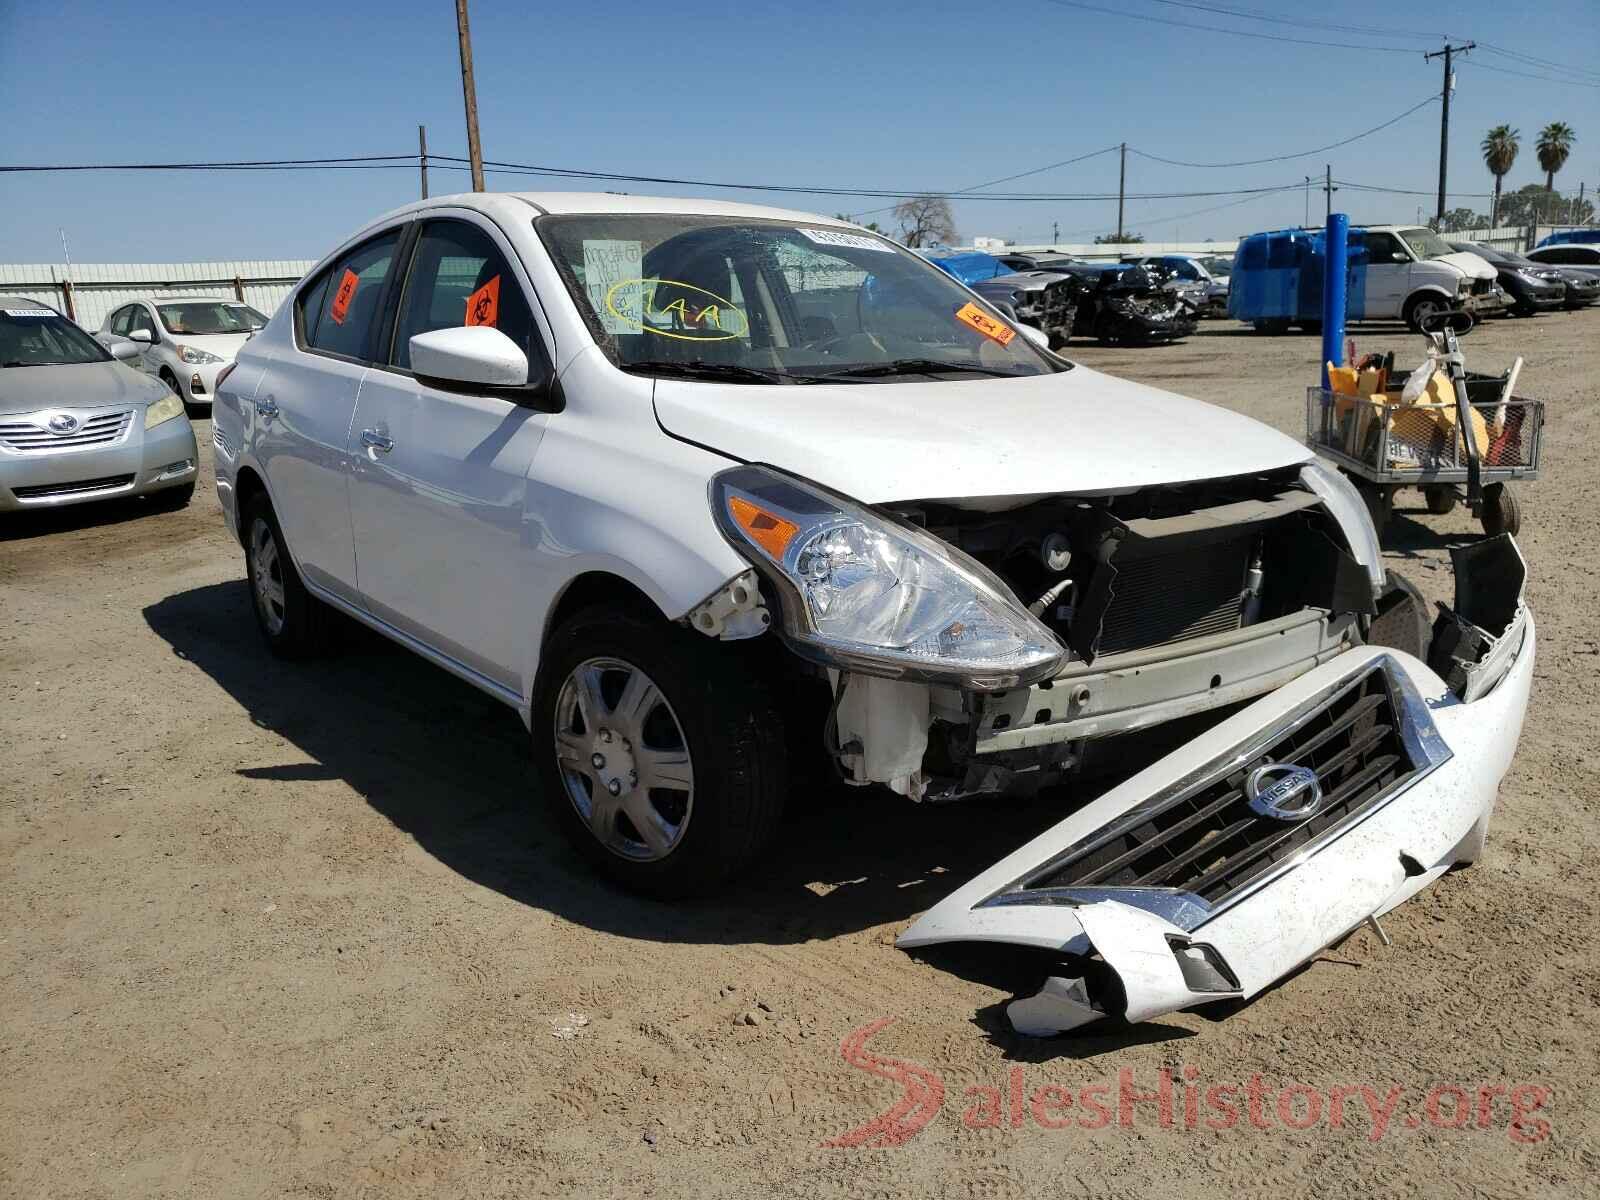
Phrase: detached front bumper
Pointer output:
(1241, 890)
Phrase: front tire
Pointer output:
(1421, 308)
(293, 622)
(1501, 513)
(659, 752)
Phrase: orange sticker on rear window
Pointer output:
(971, 314)
(483, 306)
(341, 298)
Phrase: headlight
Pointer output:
(164, 409)
(195, 356)
(862, 592)
(1341, 499)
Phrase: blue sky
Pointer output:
(939, 94)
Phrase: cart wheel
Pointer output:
(1441, 498)
(1380, 502)
(1501, 512)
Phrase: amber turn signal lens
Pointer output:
(767, 530)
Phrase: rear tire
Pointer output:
(1273, 326)
(623, 699)
(293, 622)
(1380, 503)
(1501, 512)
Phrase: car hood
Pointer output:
(78, 385)
(990, 443)
(1469, 264)
(1018, 281)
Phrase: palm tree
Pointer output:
(1500, 148)
(1555, 143)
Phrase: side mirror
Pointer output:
(1400, 256)
(1036, 336)
(123, 351)
(142, 335)
(476, 354)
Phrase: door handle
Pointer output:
(374, 440)
(266, 407)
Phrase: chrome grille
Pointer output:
(98, 429)
(76, 488)
(1206, 843)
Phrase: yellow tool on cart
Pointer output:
(1388, 435)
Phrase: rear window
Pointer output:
(339, 311)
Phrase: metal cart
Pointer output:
(1386, 446)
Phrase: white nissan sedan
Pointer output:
(700, 489)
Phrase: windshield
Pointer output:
(42, 337)
(197, 317)
(1220, 268)
(1425, 243)
(768, 301)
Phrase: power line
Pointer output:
(401, 160)
(1297, 22)
(1266, 37)
(1483, 66)
(1066, 162)
(1251, 162)
(1517, 56)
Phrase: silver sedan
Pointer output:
(78, 425)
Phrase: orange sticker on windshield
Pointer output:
(346, 293)
(483, 306)
(971, 314)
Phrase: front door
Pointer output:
(439, 476)
(1388, 275)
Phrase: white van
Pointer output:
(1412, 273)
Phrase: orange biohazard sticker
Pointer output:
(971, 314)
(341, 298)
(483, 306)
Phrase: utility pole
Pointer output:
(1444, 114)
(422, 156)
(1055, 226)
(469, 95)
(1328, 190)
(1122, 186)
(1307, 222)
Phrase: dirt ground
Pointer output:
(295, 930)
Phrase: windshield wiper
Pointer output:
(36, 362)
(700, 369)
(914, 366)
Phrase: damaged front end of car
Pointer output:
(1039, 298)
(1238, 857)
(1327, 752)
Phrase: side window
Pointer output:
(459, 277)
(119, 320)
(1382, 247)
(139, 318)
(346, 312)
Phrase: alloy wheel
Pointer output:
(266, 575)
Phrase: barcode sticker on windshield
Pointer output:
(29, 312)
(608, 263)
(851, 241)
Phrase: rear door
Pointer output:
(299, 421)
(439, 474)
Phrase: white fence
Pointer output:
(87, 292)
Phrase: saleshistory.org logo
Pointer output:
(1181, 1101)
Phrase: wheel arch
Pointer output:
(247, 485)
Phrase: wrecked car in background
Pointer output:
(1123, 303)
(767, 486)
(1039, 297)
